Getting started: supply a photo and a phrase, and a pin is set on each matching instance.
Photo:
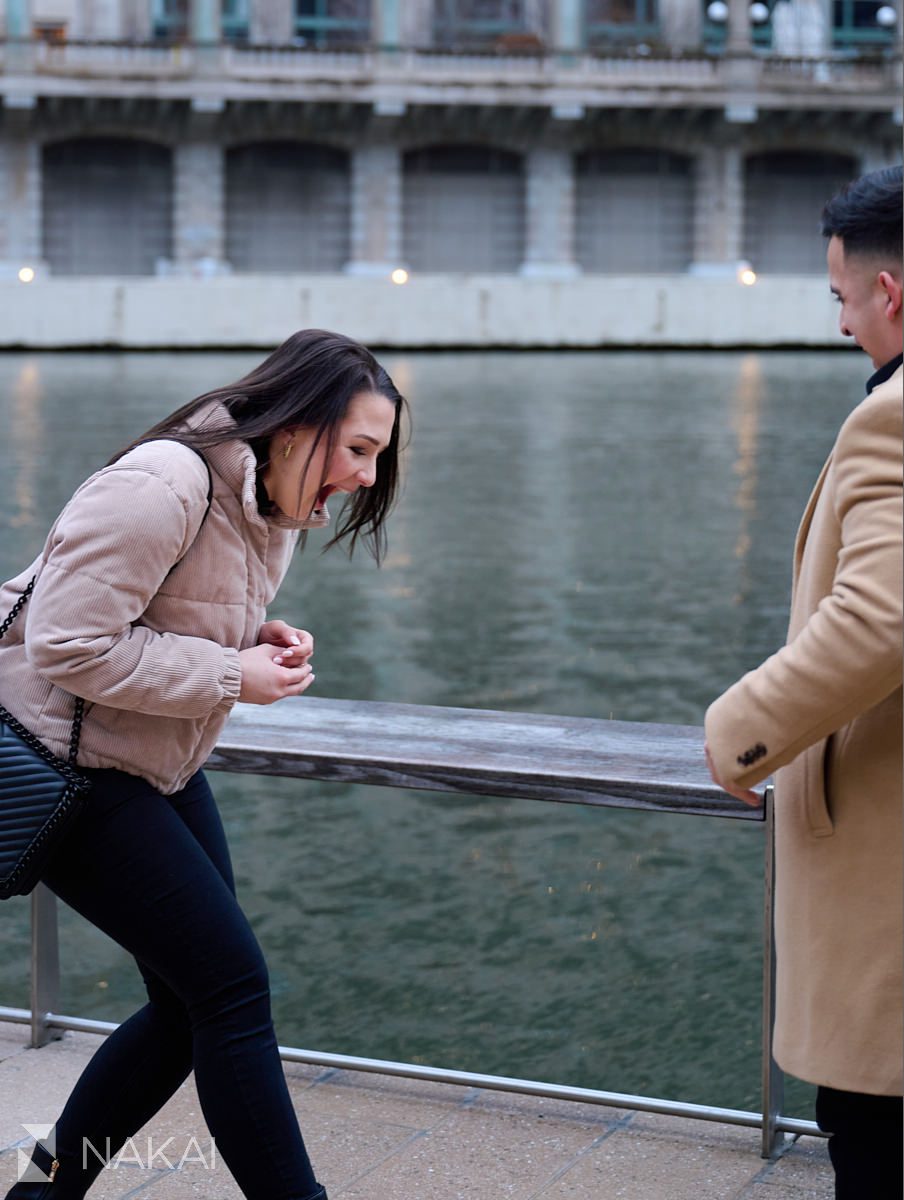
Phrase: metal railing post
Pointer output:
(45, 965)
(773, 1077)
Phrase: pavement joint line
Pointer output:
(326, 1076)
(19, 1145)
(619, 1124)
(417, 1136)
(791, 1141)
(748, 1191)
(14, 1053)
(466, 1102)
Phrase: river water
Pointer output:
(603, 535)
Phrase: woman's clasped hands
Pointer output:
(278, 665)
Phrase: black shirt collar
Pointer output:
(884, 373)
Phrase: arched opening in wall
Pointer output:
(463, 209)
(784, 193)
(107, 206)
(288, 207)
(633, 211)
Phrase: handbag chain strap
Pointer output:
(18, 606)
(26, 736)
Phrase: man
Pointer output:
(825, 714)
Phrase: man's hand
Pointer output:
(297, 645)
(754, 799)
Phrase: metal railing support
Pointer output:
(495, 1083)
(773, 1077)
(45, 966)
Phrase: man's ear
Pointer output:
(893, 294)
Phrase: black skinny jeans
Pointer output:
(154, 873)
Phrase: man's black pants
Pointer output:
(866, 1144)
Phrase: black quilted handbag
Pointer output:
(40, 794)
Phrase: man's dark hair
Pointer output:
(867, 214)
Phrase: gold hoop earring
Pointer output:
(287, 449)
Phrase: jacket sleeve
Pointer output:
(106, 557)
(847, 657)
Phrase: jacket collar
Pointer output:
(234, 462)
(881, 376)
(884, 373)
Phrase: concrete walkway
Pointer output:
(374, 1137)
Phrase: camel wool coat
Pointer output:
(824, 713)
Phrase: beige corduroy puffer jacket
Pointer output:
(152, 647)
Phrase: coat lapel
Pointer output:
(806, 520)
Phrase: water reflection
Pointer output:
(26, 433)
(746, 423)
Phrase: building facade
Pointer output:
(545, 139)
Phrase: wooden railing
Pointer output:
(535, 757)
(545, 758)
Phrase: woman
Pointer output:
(150, 603)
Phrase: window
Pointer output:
(863, 23)
(235, 20)
(498, 25)
(619, 21)
(795, 27)
(329, 23)
(715, 23)
(169, 19)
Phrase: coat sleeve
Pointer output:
(847, 657)
(106, 557)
